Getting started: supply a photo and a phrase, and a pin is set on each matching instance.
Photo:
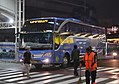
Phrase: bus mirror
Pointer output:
(17, 34)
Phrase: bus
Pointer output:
(51, 39)
(7, 44)
(112, 49)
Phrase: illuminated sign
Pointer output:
(38, 21)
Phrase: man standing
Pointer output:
(26, 61)
(90, 59)
(75, 57)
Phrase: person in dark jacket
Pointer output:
(75, 58)
(27, 61)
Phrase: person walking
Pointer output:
(27, 61)
(90, 60)
(75, 58)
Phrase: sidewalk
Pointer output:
(9, 61)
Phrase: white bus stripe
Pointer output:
(41, 78)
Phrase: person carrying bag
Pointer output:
(27, 62)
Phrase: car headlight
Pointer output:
(114, 54)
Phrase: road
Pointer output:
(11, 73)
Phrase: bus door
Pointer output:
(57, 53)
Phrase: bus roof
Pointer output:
(72, 19)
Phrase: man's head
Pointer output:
(75, 46)
(28, 48)
(89, 49)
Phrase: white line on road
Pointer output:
(54, 79)
(34, 74)
(113, 82)
(41, 78)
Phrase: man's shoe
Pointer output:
(23, 74)
(76, 75)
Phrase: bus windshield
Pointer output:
(38, 34)
(36, 40)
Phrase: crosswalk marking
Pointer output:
(104, 69)
(114, 70)
(113, 82)
(98, 80)
(11, 76)
(70, 81)
(101, 79)
(82, 78)
(21, 78)
(1, 72)
(46, 77)
(99, 69)
(54, 79)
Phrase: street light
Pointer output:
(11, 21)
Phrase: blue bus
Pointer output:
(52, 39)
(7, 44)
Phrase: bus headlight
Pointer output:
(46, 61)
(21, 60)
(114, 54)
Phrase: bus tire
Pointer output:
(38, 66)
(66, 61)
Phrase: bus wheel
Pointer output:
(38, 66)
(65, 62)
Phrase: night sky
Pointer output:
(107, 9)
